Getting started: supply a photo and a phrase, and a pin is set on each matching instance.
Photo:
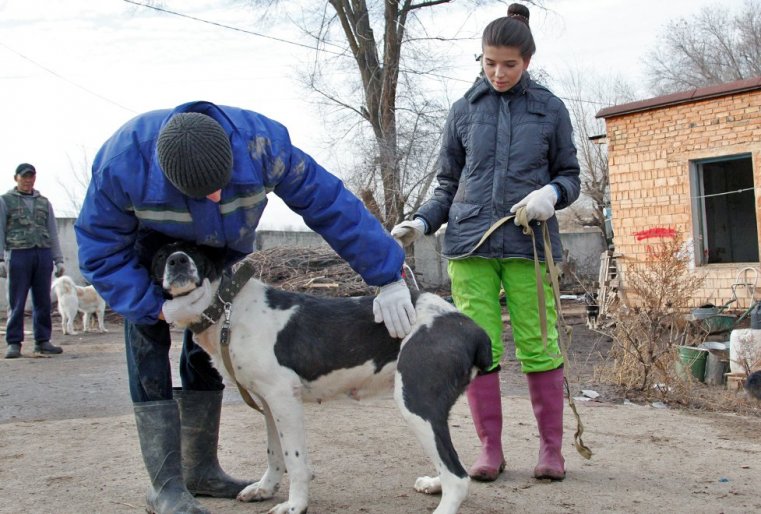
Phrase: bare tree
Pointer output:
(75, 185)
(584, 94)
(711, 47)
(389, 47)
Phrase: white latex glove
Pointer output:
(59, 269)
(186, 309)
(407, 232)
(540, 204)
(3, 270)
(393, 306)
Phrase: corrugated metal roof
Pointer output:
(692, 95)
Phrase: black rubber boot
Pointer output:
(199, 414)
(13, 351)
(47, 348)
(158, 425)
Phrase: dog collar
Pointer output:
(230, 285)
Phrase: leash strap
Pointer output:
(229, 287)
(564, 340)
(224, 343)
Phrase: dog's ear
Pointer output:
(159, 261)
(157, 264)
(210, 261)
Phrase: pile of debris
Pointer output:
(317, 271)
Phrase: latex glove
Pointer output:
(59, 269)
(407, 232)
(393, 306)
(540, 204)
(3, 270)
(186, 309)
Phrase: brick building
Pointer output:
(690, 163)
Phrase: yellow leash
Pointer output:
(563, 342)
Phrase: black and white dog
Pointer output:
(287, 347)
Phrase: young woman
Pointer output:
(507, 144)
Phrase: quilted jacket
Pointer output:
(497, 148)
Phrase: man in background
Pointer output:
(29, 238)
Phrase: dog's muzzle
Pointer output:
(180, 273)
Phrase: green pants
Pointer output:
(476, 286)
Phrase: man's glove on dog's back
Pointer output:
(393, 306)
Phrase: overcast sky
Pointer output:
(73, 71)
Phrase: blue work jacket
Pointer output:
(130, 208)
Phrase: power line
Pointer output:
(61, 77)
(230, 27)
(654, 201)
(725, 193)
(318, 49)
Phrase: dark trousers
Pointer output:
(150, 371)
(30, 268)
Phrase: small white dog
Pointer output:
(72, 299)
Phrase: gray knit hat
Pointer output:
(195, 154)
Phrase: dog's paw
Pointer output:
(287, 508)
(428, 485)
(256, 493)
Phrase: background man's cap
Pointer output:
(25, 169)
(195, 154)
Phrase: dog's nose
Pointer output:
(177, 259)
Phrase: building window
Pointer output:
(724, 210)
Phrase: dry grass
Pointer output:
(308, 270)
(646, 335)
(644, 358)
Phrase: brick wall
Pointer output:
(649, 156)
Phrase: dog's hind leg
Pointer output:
(68, 324)
(268, 485)
(101, 320)
(63, 321)
(433, 434)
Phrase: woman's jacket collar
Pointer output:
(483, 87)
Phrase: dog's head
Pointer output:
(180, 267)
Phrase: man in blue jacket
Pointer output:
(201, 173)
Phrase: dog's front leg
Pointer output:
(268, 485)
(288, 413)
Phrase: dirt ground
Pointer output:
(68, 445)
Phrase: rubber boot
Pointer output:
(46, 347)
(546, 391)
(13, 351)
(158, 426)
(199, 418)
(485, 401)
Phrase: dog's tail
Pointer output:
(65, 283)
(483, 356)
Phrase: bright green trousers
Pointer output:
(476, 287)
